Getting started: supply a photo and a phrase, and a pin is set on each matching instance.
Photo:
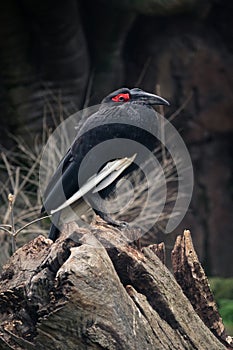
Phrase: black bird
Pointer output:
(124, 125)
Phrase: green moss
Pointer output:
(222, 287)
(226, 307)
(223, 293)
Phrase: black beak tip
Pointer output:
(162, 101)
(158, 100)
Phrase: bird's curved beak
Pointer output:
(148, 98)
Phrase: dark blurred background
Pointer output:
(57, 56)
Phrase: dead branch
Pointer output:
(92, 290)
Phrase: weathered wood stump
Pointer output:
(91, 290)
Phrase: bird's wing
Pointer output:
(56, 176)
(98, 128)
(99, 181)
(62, 184)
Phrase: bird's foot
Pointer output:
(120, 224)
(132, 232)
(111, 221)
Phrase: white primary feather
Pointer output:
(99, 181)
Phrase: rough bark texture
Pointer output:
(194, 283)
(91, 290)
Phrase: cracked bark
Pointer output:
(91, 290)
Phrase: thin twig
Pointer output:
(11, 199)
(5, 229)
(88, 92)
(162, 128)
(143, 71)
(184, 104)
(32, 222)
(9, 171)
(29, 174)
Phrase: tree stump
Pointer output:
(92, 290)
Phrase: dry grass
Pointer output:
(19, 169)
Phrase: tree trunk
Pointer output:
(91, 290)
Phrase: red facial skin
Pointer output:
(121, 98)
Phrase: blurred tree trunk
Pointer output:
(44, 65)
(91, 290)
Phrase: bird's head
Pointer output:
(134, 95)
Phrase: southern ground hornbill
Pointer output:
(123, 128)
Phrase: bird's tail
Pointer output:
(54, 230)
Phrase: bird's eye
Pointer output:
(121, 98)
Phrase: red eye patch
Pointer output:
(121, 98)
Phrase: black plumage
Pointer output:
(123, 124)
